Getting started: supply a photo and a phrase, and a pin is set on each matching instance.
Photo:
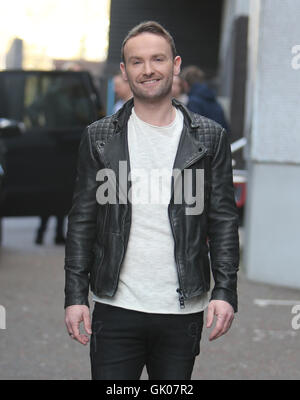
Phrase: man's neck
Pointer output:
(160, 113)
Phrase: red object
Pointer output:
(240, 193)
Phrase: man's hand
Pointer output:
(74, 315)
(225, 315)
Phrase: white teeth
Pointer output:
(154, 80)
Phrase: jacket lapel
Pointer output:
(115, 153)
(188, 152)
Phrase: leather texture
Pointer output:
(98, 234)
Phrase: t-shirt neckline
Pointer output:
(171, 125)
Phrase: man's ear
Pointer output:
(123, 70)
(177, 64)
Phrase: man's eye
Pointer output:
(158, 59)
(136, 62)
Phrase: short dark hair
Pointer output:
(150, 27)
(192, 74)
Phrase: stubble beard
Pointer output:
(163, 92)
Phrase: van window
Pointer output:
(46, 100)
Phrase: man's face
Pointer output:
(149, 66)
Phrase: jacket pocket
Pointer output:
(109, 266)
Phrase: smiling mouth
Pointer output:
(150, 82)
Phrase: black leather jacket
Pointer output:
(97, 234)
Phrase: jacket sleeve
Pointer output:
(81, 227)
(223, 225)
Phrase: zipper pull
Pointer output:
(181, 298)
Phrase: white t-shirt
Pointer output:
(148, 277)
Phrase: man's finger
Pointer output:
(74, 315)
(83, 339)
(69, 328)
(87, 323)
(223, 327)
(218, 327)
(210, 316)
(227, 324)
(76, 334)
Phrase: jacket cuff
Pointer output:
(77, 300)
(225, 295)
(76, 288)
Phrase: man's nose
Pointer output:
(148, 68)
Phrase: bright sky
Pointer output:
(56, 28)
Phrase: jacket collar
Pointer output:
(121, 117)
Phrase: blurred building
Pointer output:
(259, 77)
(14, 56)
(272, 128)
(232, 71)
(47, 34)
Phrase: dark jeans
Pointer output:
(123, 341)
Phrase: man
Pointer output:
(147, 261)
(202, 99)
(122, 91)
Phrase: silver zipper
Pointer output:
(123, 222)
(180, 289)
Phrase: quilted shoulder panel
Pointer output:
(204, 130)
(102, 129)
(207, 132)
